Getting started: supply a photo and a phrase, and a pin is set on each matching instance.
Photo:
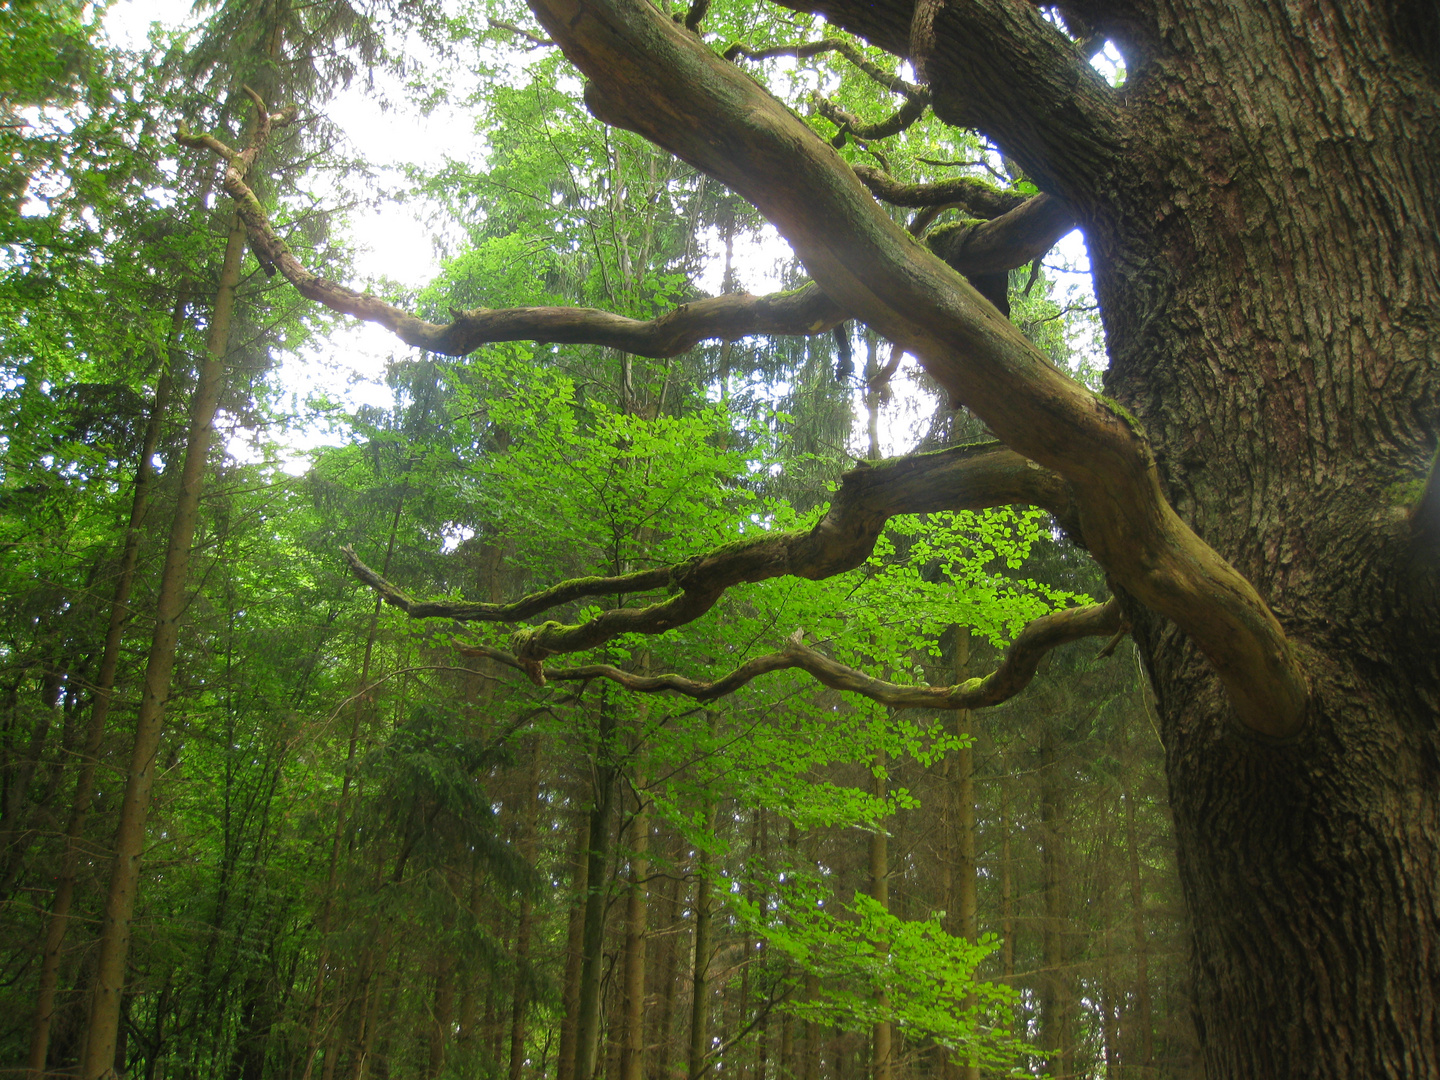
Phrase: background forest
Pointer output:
(366, 853)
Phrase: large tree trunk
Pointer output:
(1270, 300)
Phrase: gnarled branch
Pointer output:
(962, 477)
(799, 312)
(650, 77)
(1013, 675)
(978, 198)
(850, 124)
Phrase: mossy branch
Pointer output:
(1013, 675)
(970, 477)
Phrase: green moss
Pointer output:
(1124, 414)
(1406, 492)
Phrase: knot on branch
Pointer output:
(683, 573)
(529, 652)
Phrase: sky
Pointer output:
(391, 242)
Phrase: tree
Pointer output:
(1258, 483)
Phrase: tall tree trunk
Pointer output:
(59, 923)
(632, 1053)
(967, 911)
(661, 1060)
(1144, 1027)
(880, 1049)
(363, 709)
(109, 978)
(1007, 881)
(441, 1016)
(520, 1003)
(700, 987)
(587, 1047)
(1056, 1000)
(574, 952)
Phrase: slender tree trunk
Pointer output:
(441, 1015)
(967, 910)
(520, 1003)
(880, 1048)
(109, 979)
(700, 989)
(756, 957)
(1007, 881)
(59, 923)
(574, 953)
(1144, 1027)
(632, 1054)
(1056, 999)
(661, 1060)
(362, 710)
(587, 1048)
(812, 1032)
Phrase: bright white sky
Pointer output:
(393, 244)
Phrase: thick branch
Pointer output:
(802, 311)
(962, 477)
(1012, 676)
(1011, 240)
(997, 65)
(647, 75)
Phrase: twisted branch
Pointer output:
(1013, 675)
(963, 477)
(800, 312)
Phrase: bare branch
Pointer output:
(650, 77)
(894, 83)
(516, 611)
(536, 41)
(999, 66)
(962, 477)
(802, 311)
(1013, 675)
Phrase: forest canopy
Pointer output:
(924, 666)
